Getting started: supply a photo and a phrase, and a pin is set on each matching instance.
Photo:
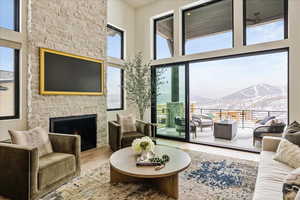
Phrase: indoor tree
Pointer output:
(138, 83)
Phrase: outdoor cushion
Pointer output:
(53, 167)
(266, 119)
(206, 122)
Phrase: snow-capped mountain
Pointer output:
(256, 97)
(255, 91)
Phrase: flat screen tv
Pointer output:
(67, 74)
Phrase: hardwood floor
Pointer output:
(92, 159)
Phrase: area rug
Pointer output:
(210, 177)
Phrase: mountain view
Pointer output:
(256, 97)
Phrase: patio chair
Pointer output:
(180, 126)
(274, 130)
(202, 121)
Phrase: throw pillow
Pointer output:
(293, 137)
(293, 127)
(292, 133)
(291, 185)
(127, 123)
(36, 137)
(288, 153)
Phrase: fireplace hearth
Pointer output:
(84, 125)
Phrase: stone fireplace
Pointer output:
(83, 125)
(75, 27)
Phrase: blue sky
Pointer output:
(214, 79)
(114, 46)
(6, 59)
(255, 34)
(218, 78)
(7, 21)
(6, 14)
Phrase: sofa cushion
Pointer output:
(53, 167)
(36, 137)
(288, 153)
(270, 178)
(128, 138)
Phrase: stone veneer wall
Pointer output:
(73, 26)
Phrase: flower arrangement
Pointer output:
(144, 144)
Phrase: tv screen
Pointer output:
(68, 74)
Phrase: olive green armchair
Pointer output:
(118, 140)
(25, 176)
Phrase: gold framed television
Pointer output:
(69, 74)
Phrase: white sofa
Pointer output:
(271, 173)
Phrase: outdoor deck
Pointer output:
(243, 139)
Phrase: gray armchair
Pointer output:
(118, 140)
(202, 121)
(25, 176)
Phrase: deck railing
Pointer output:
(245, 118)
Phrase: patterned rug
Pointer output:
(210, 177)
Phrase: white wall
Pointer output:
(122, 16)
(144, 40)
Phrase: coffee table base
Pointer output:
(167, 185)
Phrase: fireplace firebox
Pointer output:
(84, 125)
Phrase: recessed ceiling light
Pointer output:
(188, 14)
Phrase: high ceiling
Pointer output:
(139, 3)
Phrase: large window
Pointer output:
(265, 21)
(9, 14)
(115, 98)
(9, 83)
(115, 42)
(208, 27)
(163, 37)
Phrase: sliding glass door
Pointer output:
(234, 93)
(169, 102)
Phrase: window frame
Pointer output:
(122, 40)
(17, 15)
(122, 89)
(187, 88)
(16, 87)
(154, 34)
(285, 19)
(196, 7)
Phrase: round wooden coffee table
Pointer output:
(123, 169)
